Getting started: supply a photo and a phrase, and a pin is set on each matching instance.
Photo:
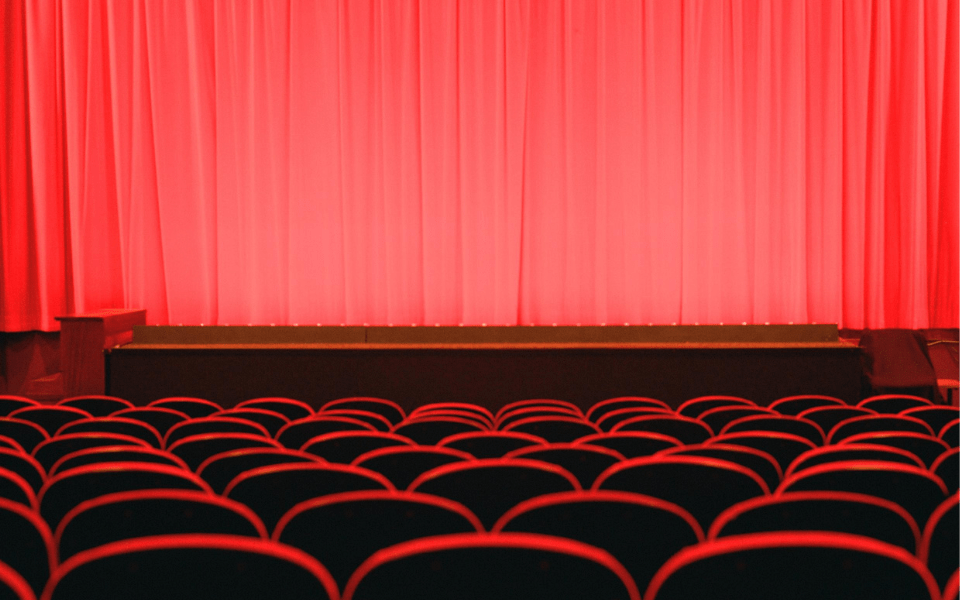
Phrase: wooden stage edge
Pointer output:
(484, 365)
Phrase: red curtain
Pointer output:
(502, 162)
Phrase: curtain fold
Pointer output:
(36, 282)
(504, 162)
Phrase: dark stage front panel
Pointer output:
(416, 369)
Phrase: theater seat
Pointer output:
(62, 492)
(490, 487)
(793, 566)
(871, 423)
(195, 408)
(528, 412)
(892, 404)
(387, 408)
(828, 454)
(950, 433)
(428, 430)
(784, 447)
(686, 429)
(142, 513)
(26, 544)
(947, 468)
(554, 429)
(343, 530)
(490, 444)
(719, 417)
(192, 566)
(475, 566)
(11, 444)
(160, 418)
(631, 444)
(13, 585)
(794, 405)
(288, 407)
(695, 407)
(216, 425)
(50, 451)
(583, 461)
(481, 412)
(195, 449)
(925, 447)
(23, 465)
(295, 434)
(917, 490)
(110, 454)
(940, 544)
(98, 406)
(536, 403)
(480, 419)
(757, 461)
(641, 532)
(8, 404)
(841, 512)
(272, 421)
(934, 416)
(345, 446)
(26, 433)
(403, 464)
(597, 411)
(610, 419)
(121, 425)
(220, 469)
(377, 421)
(951, 591)
(827, 417)
(704, 487)
(478, 412)
(50, 418)
(273, 490)
(16, 489)
(805, 428)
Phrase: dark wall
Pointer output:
(29, 363)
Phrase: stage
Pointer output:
(484, 365)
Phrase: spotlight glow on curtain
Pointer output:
(501, 162)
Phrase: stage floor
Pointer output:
(484, 365)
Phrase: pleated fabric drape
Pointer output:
(500, 162)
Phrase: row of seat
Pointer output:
(640, 531)
(292, 424)
(486, 496)
(162, 426)
(402, 462)
(345, 445)
(792, 566)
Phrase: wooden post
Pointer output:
(83, 338)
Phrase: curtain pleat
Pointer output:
(503, 162)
